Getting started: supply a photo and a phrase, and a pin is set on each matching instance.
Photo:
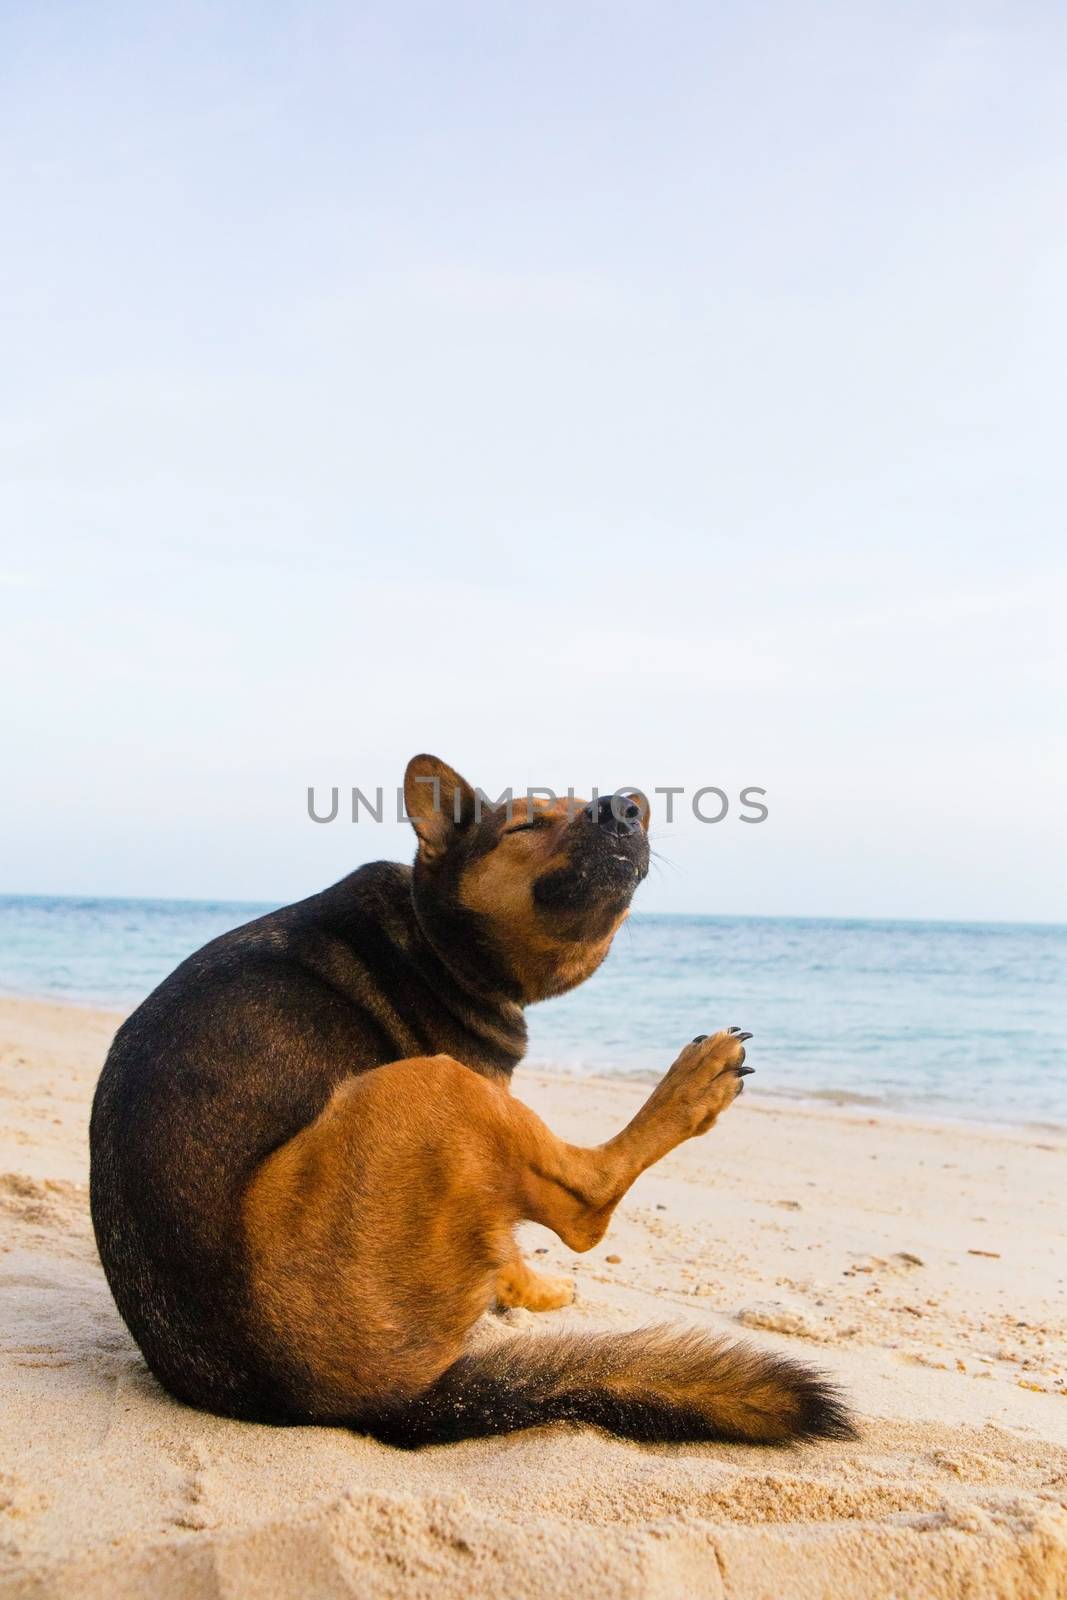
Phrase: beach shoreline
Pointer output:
(919, 1262)
(921, 1019)
(783, 1099)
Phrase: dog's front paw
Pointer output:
(707, 1077)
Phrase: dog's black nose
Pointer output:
(615, 812)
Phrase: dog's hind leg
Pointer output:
(381, 1231)
(517, 1284)
(378, 1235)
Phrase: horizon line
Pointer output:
(706, 916)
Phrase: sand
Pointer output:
(922, 1264)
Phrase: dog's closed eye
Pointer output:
(525, 827)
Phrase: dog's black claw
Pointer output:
(743, 1072)
(741, 1035)
(700, 1038)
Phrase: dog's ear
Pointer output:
(438, 802)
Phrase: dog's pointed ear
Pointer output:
(438, 803)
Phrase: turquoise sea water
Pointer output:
(955, 1019)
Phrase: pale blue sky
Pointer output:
(663, 394)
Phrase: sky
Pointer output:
(655, 394)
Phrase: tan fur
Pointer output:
(517, 1284)
(380, 1233)
(499, 886)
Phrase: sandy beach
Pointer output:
(921, 1264)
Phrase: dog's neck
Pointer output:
(474, 985)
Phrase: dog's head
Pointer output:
(535, 891)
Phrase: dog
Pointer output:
(307, 1166)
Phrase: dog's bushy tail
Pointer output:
(657, 1384)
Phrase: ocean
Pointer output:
(962, 1020)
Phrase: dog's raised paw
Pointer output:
(706, 1078)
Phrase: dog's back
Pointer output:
(235, 1052)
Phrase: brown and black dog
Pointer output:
(308, 1168)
